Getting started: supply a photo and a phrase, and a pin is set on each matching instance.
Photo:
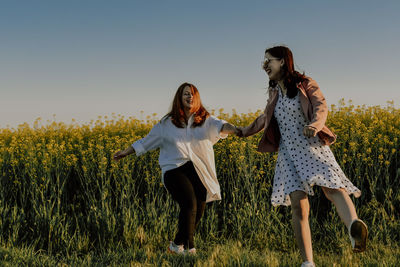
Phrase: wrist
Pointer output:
(125, 152)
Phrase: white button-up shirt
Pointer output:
(180, 145)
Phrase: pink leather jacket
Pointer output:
(315, 110)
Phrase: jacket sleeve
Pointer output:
(259, 123)
(319, 106)
(256, 126)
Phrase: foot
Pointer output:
(175, 249)
(191, 251)
(308, 264)
(358, 232)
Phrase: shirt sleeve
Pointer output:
(150, 142)
(214, 129)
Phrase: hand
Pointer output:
(119, 155)
(239, 131)
(309, 131)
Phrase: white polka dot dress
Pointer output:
(302, 161)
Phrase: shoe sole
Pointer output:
(359, 232)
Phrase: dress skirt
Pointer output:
(302, 161)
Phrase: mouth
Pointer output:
(268, 71)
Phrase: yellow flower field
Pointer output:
(62, 193)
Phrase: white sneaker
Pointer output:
(308, 264)
(358, 233)
(175, 249)
(191, 251)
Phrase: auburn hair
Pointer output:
(177, 112)
(290, 76)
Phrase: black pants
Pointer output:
(185, 186)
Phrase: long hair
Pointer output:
(290, 76)
(177, 112)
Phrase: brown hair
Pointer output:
(290, 76)
(177, 112)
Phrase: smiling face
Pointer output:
(187, 98)
(273, 67)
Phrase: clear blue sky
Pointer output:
(81, 59)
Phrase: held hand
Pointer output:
(309, 131)
(238, 131)
(119, 155)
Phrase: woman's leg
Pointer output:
(357, 229)
(343, 204)
(182, 191)
(199, 190)
(301, 227)
(201, 206)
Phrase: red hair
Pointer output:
(177, 112)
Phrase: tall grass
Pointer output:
(62, 195)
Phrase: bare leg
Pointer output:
(301, 227)
(343, 204)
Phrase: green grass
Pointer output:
(229, 253)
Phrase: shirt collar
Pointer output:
(191, 119)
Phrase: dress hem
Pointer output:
(356, 194)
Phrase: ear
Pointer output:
(282, 62)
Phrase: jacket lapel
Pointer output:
(271, 106)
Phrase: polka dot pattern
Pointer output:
(302, 161)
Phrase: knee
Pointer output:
(190, 205)
(300, 207)
(300, 211)
(330, 193)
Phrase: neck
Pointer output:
(281, 84)
(188, 113)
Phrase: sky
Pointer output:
(64, 60)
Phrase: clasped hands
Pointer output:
(308, 131)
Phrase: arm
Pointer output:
(256, 126)
(151, 141)
(123, 153)
(320, 109)
(259, 123)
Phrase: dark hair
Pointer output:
(177, 113)
(290, 76)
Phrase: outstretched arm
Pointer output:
(259, 123)
(151, 141)
(123, 153)
(256, 126)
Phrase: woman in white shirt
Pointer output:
(186, 136)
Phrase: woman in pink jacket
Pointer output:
(294, 125)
